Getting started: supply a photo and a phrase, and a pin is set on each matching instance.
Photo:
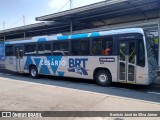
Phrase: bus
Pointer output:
(123, 55)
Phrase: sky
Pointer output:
(12, 11)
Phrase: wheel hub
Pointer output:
(33, 72)
(103, 77)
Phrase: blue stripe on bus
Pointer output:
(62, 37)
(95, 34)
(41, 39)
(7, 43)
(79, 36)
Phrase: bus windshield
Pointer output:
(150, 52)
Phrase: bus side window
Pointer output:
(107, 46)
(96, 46)
(30, 49)
(64, 48)
(75, 47)
(44, 49)
(9, 50)
(102, 46)
(41, 48)
(84, 47)
(61, 48)
(47, 50)
(140, 53)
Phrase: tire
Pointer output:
(103, 78)
(33, 72)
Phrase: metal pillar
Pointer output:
(71, 32)
(4, 38)
(70, 4)
(4, 47)
(71, 27)
(24, 20)
(24, 35)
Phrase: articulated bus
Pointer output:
(123, 55)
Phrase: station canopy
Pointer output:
(105, 13)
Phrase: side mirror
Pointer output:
(21, 53)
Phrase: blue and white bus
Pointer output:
(123, 55)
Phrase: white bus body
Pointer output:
(129, 59)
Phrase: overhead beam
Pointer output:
(122, 25)
(80, 9)
(114, 12)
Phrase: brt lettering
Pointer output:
(77, 62)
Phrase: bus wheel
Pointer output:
(103, 78)
(33, 72)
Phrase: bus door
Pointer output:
(19, 58)
(127, 60)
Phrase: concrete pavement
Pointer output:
(25, 94)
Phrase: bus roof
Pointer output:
(78, 36)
